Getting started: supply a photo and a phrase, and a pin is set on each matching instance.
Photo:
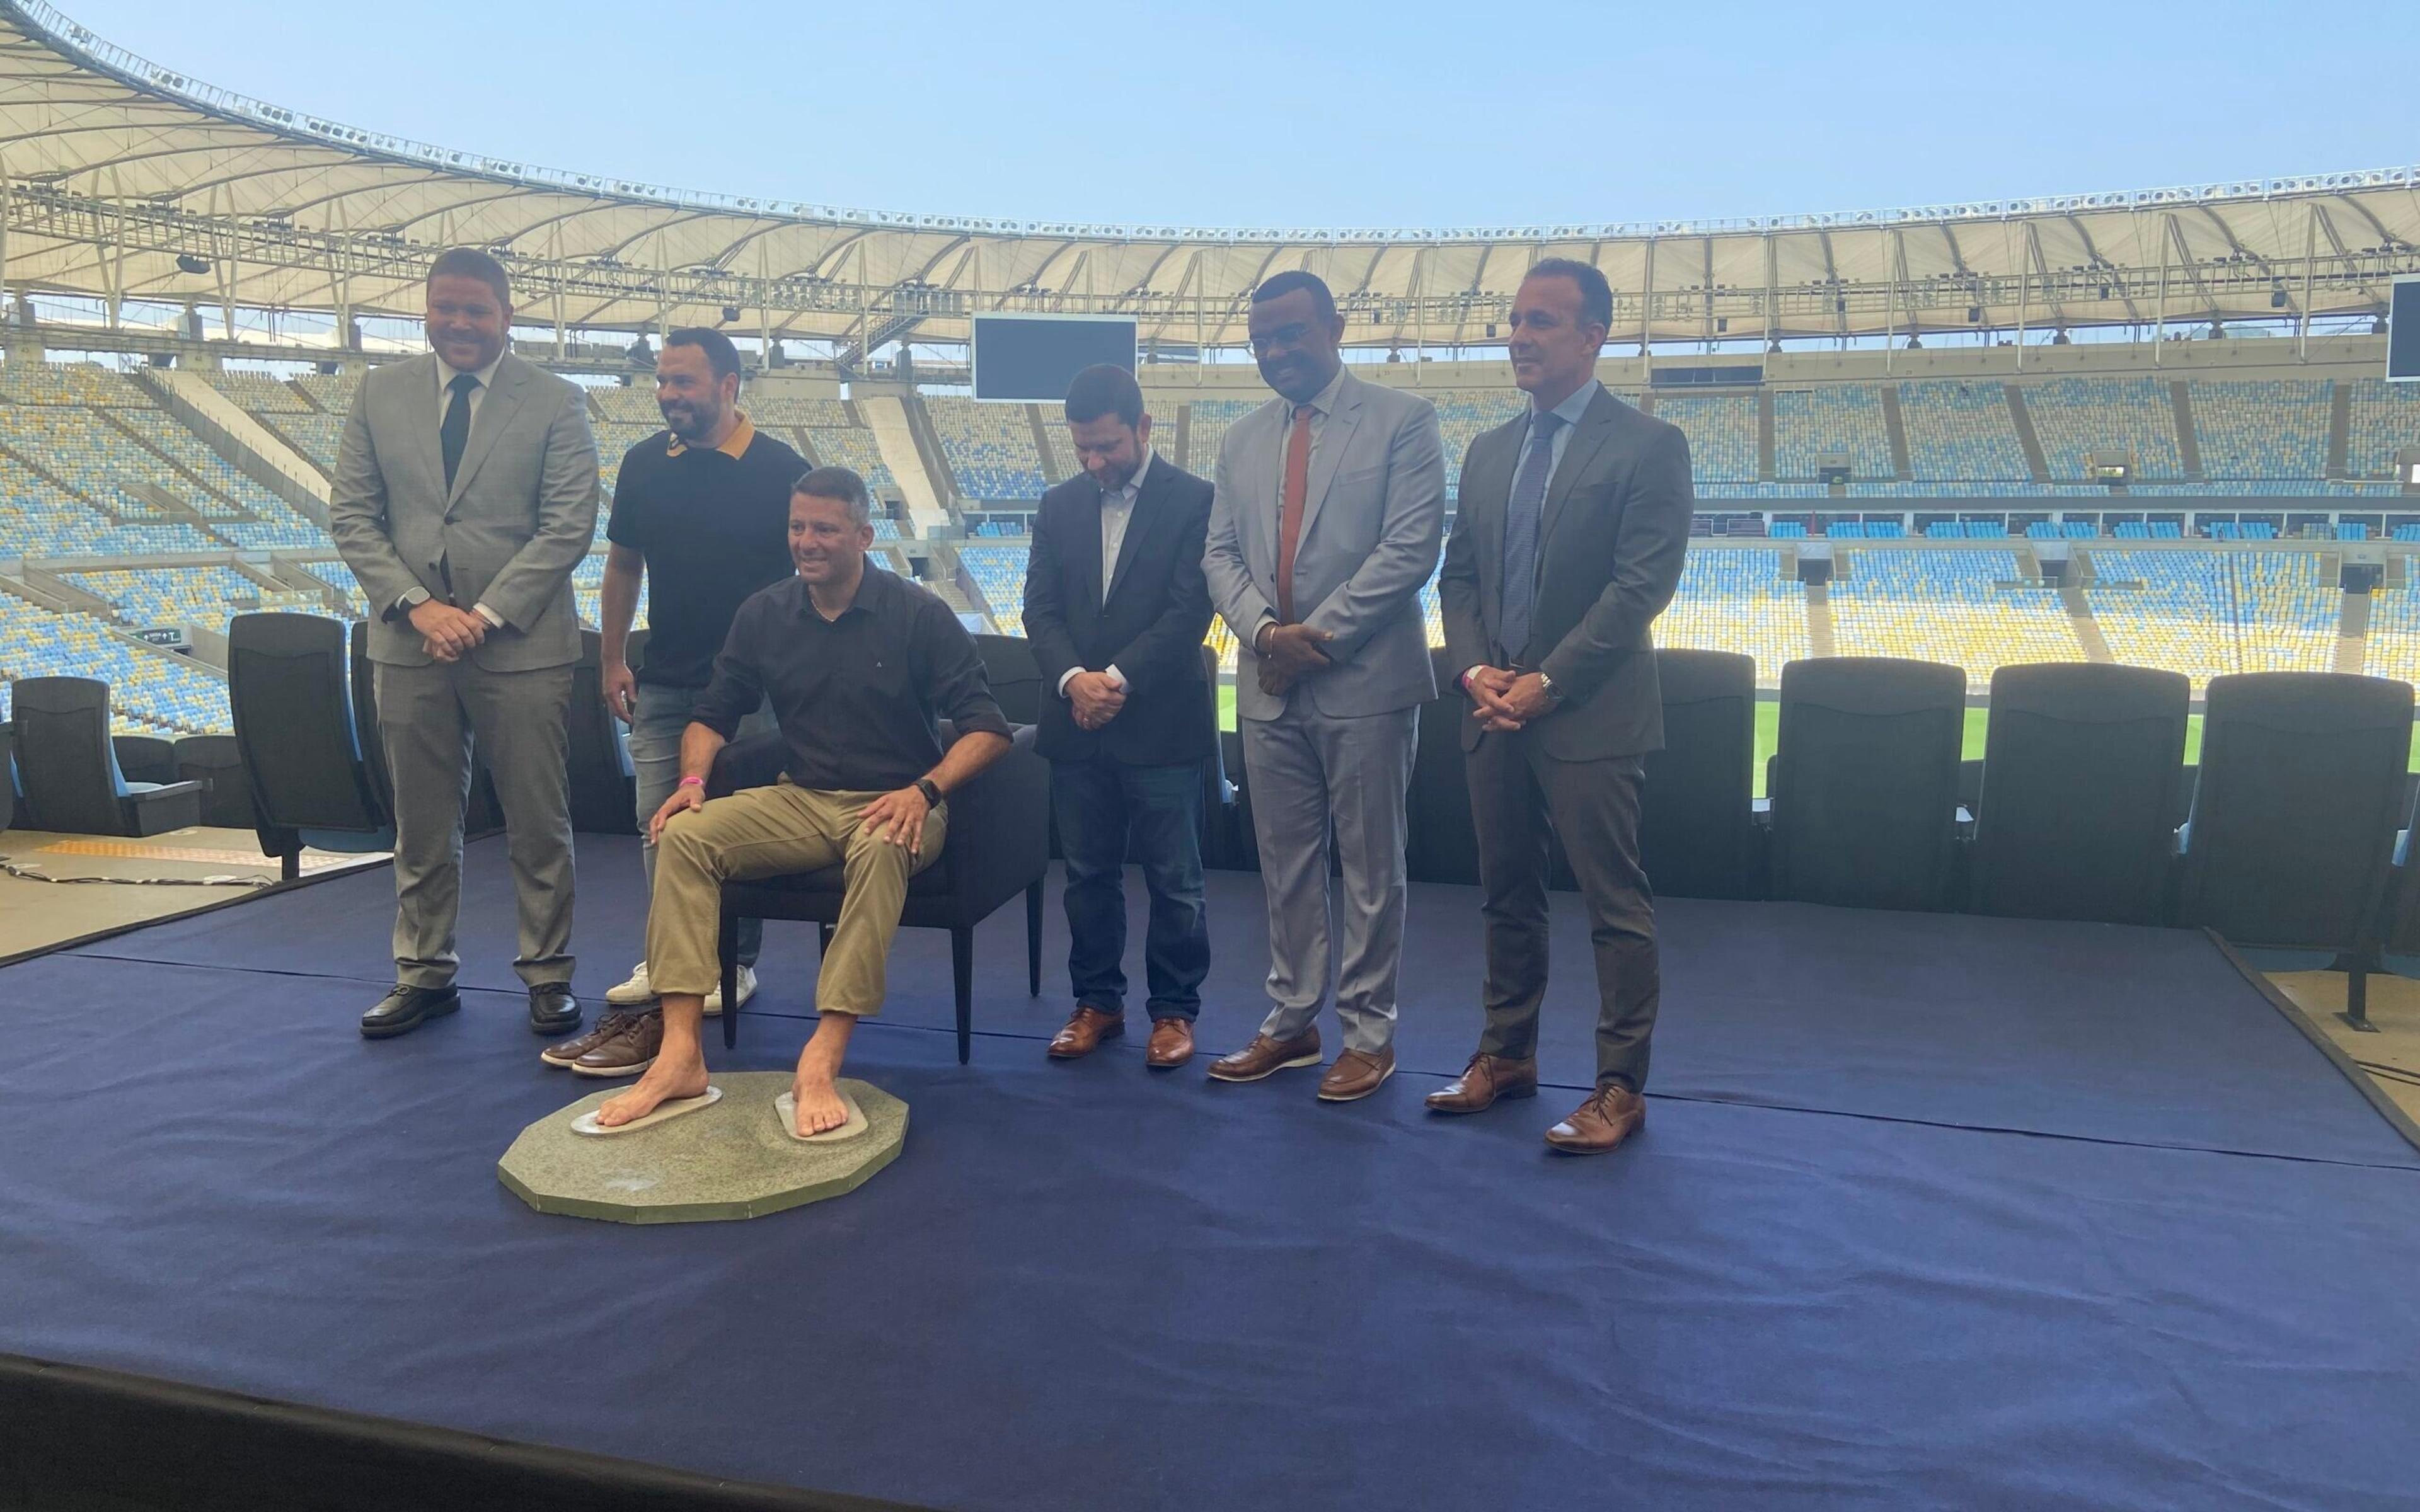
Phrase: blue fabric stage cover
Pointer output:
(2130, 1035)
(1085, 1285)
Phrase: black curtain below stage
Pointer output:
(1086, 1286)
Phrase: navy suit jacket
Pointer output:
(1150, 624)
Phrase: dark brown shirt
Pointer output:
(859, 698)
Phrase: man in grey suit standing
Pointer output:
(1569, 541)
(465, 493)
(1329, 505)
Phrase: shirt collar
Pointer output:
(447, 373)
(1576, 406)
(735, 446)
(1324, 400)
(870, 589)
(1130, 490)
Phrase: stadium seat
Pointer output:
(298, 737)
(1696, 823)
(2302, 790)
(1442, 843)
(8, 777)
(999, 846)
(604, 784)
(217, 764)
(145, 757)
(71, 774)
(1865, 781)
(2083, 767)
(1016, 679)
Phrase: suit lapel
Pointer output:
(1138, 522)
(421, 411)
(1087, 510)
(1588, 437)
(1335, 434)
(496, 411)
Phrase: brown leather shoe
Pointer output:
(1086, 1028)
(1485, 1079)
(1171, 1043)
(628, 1052)
(1265, 1057)
(608, 1028)
(1611, 1114)
(1356, 1074)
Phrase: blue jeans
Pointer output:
(655, 756)
(1098, 803)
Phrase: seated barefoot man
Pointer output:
(859, 663)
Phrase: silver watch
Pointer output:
(1547, 686)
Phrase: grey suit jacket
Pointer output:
(1372, 516)
(520, 515)
(1611, 543)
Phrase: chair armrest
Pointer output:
(753, 762)
(148, 792)
(998, 840)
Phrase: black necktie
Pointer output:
(456, 433)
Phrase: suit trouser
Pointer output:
(772, 831)
(427, 720)
(661, 719)
(1305, 769)
(1517, 790)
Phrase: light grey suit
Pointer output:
(1339, 745)
(520, 515)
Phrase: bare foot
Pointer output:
(663, 1081)
(820, 1109)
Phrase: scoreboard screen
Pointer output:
(1031, 358)
(2403, 331)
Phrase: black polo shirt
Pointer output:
(714, 524)
(859, 698)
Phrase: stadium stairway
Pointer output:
(258, 452)
(2188, 439)
(903, 453)
(1821, 638)
(1895, 426)
(2035, 458)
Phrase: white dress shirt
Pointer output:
(1117, 513)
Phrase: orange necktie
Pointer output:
(1297, 483)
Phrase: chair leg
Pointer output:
(1033, 941)
(962, 976)
(727, 948)
(2357, 997)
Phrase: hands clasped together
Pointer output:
(1503, 700)
(1289, 653)
(447, 633)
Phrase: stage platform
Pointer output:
(1931, 1211)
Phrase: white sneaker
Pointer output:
(633, 991)
(747, 990)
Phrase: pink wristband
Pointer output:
(692, 783)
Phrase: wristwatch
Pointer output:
(932, 795)
(1547, 686)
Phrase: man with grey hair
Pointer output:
(465, 493)
(859, 665)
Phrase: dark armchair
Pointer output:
(998, 846)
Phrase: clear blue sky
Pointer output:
(1347, 113)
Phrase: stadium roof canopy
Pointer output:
(119, 177)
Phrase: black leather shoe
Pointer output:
(553, 1008)
(406, 1009)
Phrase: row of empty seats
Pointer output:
(989, 448)
(155, 692)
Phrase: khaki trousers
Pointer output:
(771, 831)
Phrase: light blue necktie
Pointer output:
(1521, 532)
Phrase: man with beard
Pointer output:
(702, 514)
